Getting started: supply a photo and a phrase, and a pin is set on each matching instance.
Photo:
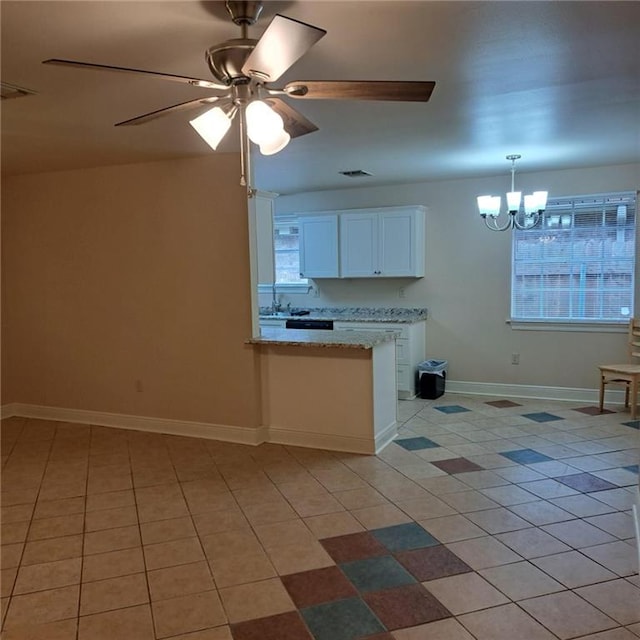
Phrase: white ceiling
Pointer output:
(558, 82)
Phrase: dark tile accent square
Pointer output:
(319, 585)
(456, 465)
(525, 456)
(586, 482)
(542, 416)
(432, 563)
(632, 467)
(402, 537)
(454, 408)
(374, 574)
(406, 606)
(503, 404)
(353, 546)
(415, 444)
(348, 619)
(593, 411)
(284, 626)
(634, 424)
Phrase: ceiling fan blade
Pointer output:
(295, 124)
(196, 82)
(284, 42)
(183, 106)
(360, 90)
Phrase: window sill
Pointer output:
(282, 287)
(578, 326)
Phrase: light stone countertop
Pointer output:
(311, 338)
(353, 314)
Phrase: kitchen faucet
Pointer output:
(275, 304)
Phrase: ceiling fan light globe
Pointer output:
(263, 123)
(277, 143)
(212, 126)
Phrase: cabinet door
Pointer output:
(319, 246)
(395, 244)
(359, 245)
(264, 237)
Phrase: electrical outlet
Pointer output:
(515, 358)
(139, 386)
(401, 292)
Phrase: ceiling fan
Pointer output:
(244, 69)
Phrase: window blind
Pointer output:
(578, 264)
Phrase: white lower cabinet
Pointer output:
(272, 323)
(410, 349)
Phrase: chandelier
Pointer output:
(534, 206)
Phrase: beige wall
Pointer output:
(467, 283)
(127, 273)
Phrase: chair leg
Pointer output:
(601, 393)
(634, 396)
(626, 396)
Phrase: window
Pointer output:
(578, 263)
(286, 250)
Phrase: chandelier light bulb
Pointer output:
(489, 205)
(513, 200)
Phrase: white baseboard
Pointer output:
(612, 396)
(386, 436)
(8, 410)
(240, 435)
(209, 431)
(347, 444)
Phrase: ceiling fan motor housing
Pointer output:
(243, 12)
(227, 59)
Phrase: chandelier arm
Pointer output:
(495, 226)
(536, 217)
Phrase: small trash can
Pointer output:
(432, 375)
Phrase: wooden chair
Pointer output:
(627, 374)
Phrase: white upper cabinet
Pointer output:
(363, 243)
(358, 245)
(319, 246)
(385, 242)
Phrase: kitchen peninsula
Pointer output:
(329, 389)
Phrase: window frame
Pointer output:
(558, 206)
(303, 285)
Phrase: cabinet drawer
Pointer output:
(404, 377)
(278, 324)
(402, 351)
(402, 330)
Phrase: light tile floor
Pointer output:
(486, 519)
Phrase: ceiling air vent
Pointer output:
(356, 173)
(13, 91)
